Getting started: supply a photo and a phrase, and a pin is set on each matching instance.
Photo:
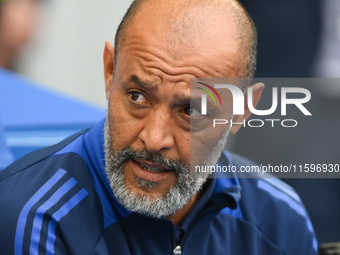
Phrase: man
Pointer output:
(141, 196)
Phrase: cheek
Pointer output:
(204, 141)
(182, 147)
(124, 128)
(202, 144)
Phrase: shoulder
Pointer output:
(275, 209)
(35, 157)
(42, 190)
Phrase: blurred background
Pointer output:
(51, 82)
(66, 51)
(51, 71)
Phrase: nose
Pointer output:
(157, 133)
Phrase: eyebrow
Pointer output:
(180, 96)
(143, 84)
(193, 100)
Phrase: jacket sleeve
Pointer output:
(277, 211)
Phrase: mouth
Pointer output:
(154, 169)
(150, 171)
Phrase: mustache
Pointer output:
(130, 154)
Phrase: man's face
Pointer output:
(148, 132)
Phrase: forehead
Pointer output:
(207, 43)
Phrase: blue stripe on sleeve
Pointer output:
(20, 229)
(292, 204)
(38, 219)
(315, 244)
(283, 187)
(58, 215)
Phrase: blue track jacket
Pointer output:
(58, 200)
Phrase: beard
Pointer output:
(186, 186)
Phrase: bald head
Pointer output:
(187, 21)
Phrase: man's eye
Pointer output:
(137, 97)
(192, 112)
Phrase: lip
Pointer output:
(149, 164)
(140, 172)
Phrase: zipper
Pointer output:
(192, 225)
(177, 250)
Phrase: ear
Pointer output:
(108, 57)
(256, 92)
